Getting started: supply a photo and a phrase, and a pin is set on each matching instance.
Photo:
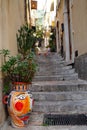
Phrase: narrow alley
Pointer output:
(43, 64)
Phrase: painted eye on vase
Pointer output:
(21, 97)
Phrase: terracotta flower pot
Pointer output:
(19, 103)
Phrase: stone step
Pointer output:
(61, 107)
(63, 68)
(55, 68)
(42, 72)
(51, 61)
(59, 86)
(43, 66)
(36, 118)
(49, 65)
(56, 77)
(51, 55)
(60, 96)
(53, 64)
(49, 58)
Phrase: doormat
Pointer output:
(75, 119)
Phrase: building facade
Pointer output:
(71, 29)
(12, 16)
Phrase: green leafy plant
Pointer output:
(39, 34)
(18, 68)
(25, 40)
(52, 42)
(21, 67)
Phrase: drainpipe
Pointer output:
(71, 30)
(66, 32)
(25, 11)
(57, 37)
(29, 11)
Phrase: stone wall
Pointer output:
(81, 66)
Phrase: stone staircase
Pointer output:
(53, 67)
(57, 89)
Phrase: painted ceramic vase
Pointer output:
(19, 103)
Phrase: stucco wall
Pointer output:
(60, 14)
(81, 66)
(60, 18)
(12, 12)
(11, 18)
(79, 17)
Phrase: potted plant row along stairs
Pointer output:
(57, 89)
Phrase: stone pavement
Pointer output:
(6, 127)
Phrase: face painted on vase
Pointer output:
(20, 103)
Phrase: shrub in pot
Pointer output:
(18, 71)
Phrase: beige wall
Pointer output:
(11, 18)
(60, 14)
(79, 24)
(60, 18)
(79, 17)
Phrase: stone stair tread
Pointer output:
(60, 96)
(58, 75)
(52, 72)
(36, 118)
(52, 54)
(59, 86)
(56, 70)
(71, 82)
(52, 62)
(56, 78)
(62, 68)
(61, 107)
(59, 93)
(37, 127)
(50, 103)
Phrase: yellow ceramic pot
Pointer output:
(19, 104)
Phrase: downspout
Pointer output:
(71, 30)
(57, 37)
(29, 10)
(66, 32)
(25, 10)
(57, 28)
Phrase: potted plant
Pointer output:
(52, 41)
(18, 68)
(18, 71)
